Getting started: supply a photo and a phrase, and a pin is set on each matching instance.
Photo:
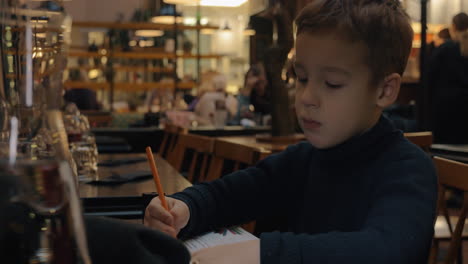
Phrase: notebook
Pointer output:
(220, 237)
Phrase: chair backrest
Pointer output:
(171, 135)
(98, 118)
(240, 156)
(198, 150)
(423, 139)
(453, 175)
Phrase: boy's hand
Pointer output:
(247, 252)
(169, 222)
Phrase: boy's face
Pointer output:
(334, 100)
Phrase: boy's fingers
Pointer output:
(156, 211)
(158, 225)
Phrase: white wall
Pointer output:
(439, 11)
(101, 10)
(442, 11)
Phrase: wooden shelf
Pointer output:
(142, 68)
(140, 55)
(125, 68)
(143, 55)
(137, 54)
(202, 56)
(130, 87)
(135, 26)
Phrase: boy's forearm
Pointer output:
(236, 198)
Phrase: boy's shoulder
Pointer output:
(404, 156)
(405, 149)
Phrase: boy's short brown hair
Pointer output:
(382, 25)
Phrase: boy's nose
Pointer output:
(309, 97)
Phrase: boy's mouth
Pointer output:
(310, 123)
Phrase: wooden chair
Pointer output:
(98, 118)
(240, 156)
(422, 139)
(171, 134)
(454, 175)
(200, 148)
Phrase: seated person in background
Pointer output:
(252, 81)
(442, 37)
(207, 105)
(260, 94)
(84, 98)
(357, 191)
(448, 84)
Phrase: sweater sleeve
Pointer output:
(398, 228)
(238, 197)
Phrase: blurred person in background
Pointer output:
(448, 83)
(215, 99)
(84, 98)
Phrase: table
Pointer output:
(458, 152)
(253, 141)
(128, 200)
(136, 139)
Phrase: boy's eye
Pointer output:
(333, 86)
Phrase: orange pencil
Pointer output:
(154, 170)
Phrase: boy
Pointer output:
(357, 191)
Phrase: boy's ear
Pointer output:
(388, 90)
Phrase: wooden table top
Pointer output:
(171, 180)
(253, 141)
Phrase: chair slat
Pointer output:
(452, 175)
(202, 148)
(422, 139)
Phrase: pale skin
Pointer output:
(334, 102)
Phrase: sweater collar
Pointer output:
(362, 146)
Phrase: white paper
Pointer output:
(221, 237)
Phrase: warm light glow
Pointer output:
(40, 21)
(149, 33)
(207, 31)
(93, 74)
(40, 35)
(192, 21)
(204, 21)
(223, 3)
(249, 32)
(146, 43)
(166, 19)
(182, 2)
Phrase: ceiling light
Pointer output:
(226, 27)
(149, 33)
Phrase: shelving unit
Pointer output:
(144, 55)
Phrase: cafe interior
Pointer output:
(105, 105)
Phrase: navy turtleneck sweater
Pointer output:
(370, 199)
